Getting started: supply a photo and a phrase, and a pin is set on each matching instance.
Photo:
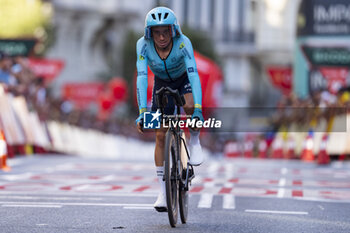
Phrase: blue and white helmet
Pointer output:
(161, 16)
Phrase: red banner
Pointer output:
(281, 78)
(336, 77)
(46, 68)
(82, 94)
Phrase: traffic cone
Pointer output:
(3, 153)
(308, 153)
(231, 150)
(290, 148)
(323, 157)
(262, 149)
(277, 149)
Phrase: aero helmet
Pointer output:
(161, 16)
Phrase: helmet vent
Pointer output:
(160, 16)
(153, 16)
(166, 15)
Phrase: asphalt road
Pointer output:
(73, 194)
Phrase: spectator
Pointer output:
(6, 76)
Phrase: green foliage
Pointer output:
(47, 40)
(201, 42)
(129, 63)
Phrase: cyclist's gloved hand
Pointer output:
(139, 119)
(198, 114)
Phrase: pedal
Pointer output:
(190, 174)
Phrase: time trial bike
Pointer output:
(178, 173)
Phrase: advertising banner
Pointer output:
(82, 94)
(20, 47)
(327, 56)
(281, 78)
(328, 78)
(322, 51)
(324, 17)
(46, 68)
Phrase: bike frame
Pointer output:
(176, 131)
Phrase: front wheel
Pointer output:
(183, 204)
(171, 181)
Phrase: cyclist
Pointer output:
(169, 55)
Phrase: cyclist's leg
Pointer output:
(159, 150)
(160, 133)
(194, 144)
(189, 108)
(160, 204)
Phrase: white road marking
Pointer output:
(50, 198)
(284, 171)
(22, 176)
(72, 204)
(321, 200)
(32, 206)
(41, 224)
(105, 194)
(282, 182)
(14, 162)
(229, 202)
(137, 167)
(281, 191)
(213, 169)
(83, 187)
(337, 164)
(277, 212)
(63, 167)
(339, 175)
(229, 170)
(108, 178)
(138, 208)
(321, 207)
(205, 200)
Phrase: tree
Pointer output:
(201, 42)
(129, 63)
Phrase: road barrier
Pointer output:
(25, 134)
(319, 145)
(22, 128)
(232, 150)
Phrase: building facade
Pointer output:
(248, 35)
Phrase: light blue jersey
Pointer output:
(180, 60)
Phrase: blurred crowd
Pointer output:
(307, 113)
(18, 79)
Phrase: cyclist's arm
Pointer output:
(142, 83)
(192, 72)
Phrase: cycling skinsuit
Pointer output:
(175, 71)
